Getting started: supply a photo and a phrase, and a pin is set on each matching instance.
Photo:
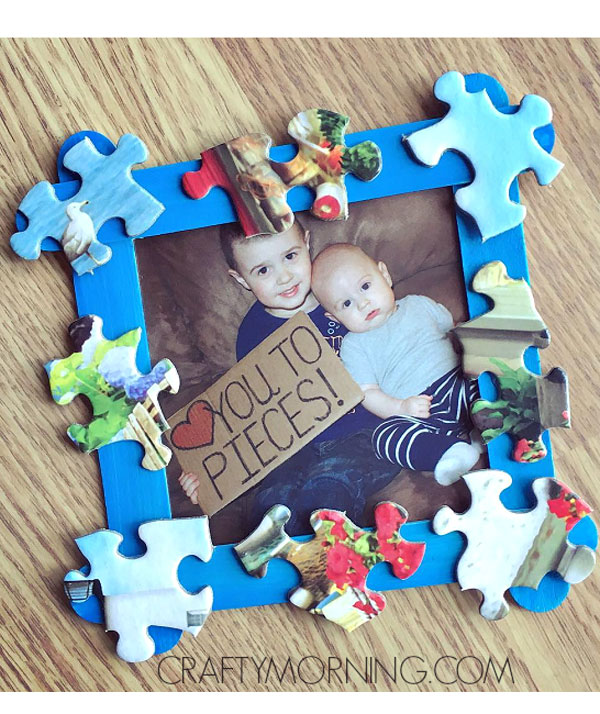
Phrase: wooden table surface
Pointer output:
(181, 97)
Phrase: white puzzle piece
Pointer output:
(144, 591)
(498, 146)
(507, 549)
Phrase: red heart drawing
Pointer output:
(197, 430)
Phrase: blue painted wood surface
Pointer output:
(134, 495)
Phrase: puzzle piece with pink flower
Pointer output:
(334, 565)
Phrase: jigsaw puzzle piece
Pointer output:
(323, 160)
(498, 146)
(269, 540)
(335, 564)
(258, 186)
(551, 551)
(535, 112)
(130, 616)
(39, 205)
(124, 401)
(480, 198)
(527, 405)
(144, 591)
(505, 331)
(507, 549)
(495, 342)
(167, 541)
(241, 167)
(106, 185)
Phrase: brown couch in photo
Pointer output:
(193, 310)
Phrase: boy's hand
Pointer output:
(418, 406)
(384, 406)
(190, 483)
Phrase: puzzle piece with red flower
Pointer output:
(507, 549)
(495, 342)
(258, 185)
(334, 565)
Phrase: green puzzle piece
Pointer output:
(495, 342)
(124, 401)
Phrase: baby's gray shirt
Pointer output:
(409, 352)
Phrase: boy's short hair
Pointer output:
(231, 233)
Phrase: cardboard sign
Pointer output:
(277, 399)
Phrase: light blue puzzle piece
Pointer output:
(499, 147)
(106, 182)
(145, 591)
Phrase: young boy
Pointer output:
(400, 353)
(337, 469)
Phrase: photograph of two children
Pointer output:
(383, 288)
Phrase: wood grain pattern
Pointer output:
(180, 97)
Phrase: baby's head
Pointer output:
(276, 268)
(352, 287)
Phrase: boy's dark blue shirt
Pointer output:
(259, 324)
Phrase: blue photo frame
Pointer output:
(134, 495)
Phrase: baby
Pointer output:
(400, 353)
